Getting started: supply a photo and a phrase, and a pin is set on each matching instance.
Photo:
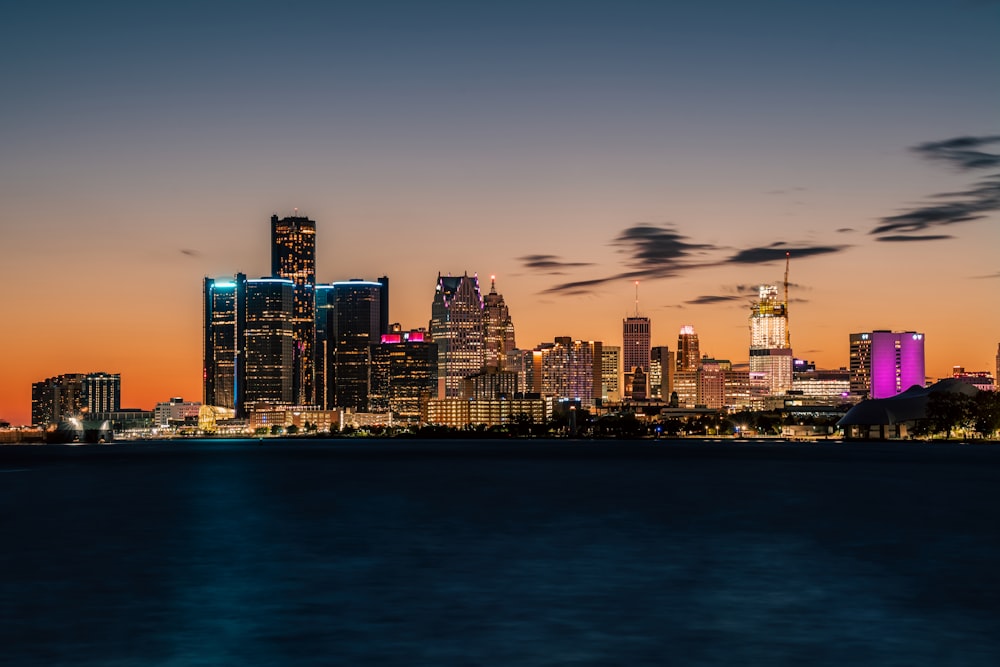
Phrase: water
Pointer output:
(499, 553)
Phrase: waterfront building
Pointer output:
(403, 374)
(293, 257)
(74, 395)
(355, 324)
(662, 365)
(457, 327)
(610, 373)
(830, 386)
(175, 411)
(770, 352)
(981, 380)
(688, 352)
(886, 363)
(635, 354)
(491, 383)
(248, 342)
(460, 412)
(570, 369)
(498, 329)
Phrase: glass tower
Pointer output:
(293, 257)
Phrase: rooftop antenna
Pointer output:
(637, 298)
(788, 334)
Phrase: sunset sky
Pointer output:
(567, 147)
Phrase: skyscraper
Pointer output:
(889, 361)
(268, 343)
(499, 328)
(404, 374)
(662, 364)
(293, 257)
(248, 342)
(355, 325)
(688, 352)
(457, 327)
(611, 373)
(769, 350)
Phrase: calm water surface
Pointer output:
(499, 553)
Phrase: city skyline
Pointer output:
(569, 152)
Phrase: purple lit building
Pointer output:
(897, 362)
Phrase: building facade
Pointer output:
(457, 327)
(293, 257)
(688, 351)
(403, 374)
(886, 363)
(770, 352)
(498, 329)
(635, 354)
(74, 395)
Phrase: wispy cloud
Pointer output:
(777, 251)
(709, 299)
(551, 264)
(962, 154)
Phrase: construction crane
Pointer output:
(788, 333)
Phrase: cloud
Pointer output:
(902, 238)
(845, 230)
(190, 253)
(961, 152)
(713, 298)
(652, 251)
(949, 208)
(777, 251)
(549, 263)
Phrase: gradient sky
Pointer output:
(567, 147)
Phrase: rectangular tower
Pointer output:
(293, 257)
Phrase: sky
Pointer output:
(569, 148)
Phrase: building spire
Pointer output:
(637, 298)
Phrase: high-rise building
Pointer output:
(688, 352)
(74, 395)
(248, 342)
(860, 367)
(499, 328)
(457, 327)
(635, 343)
(571, 369)
(662, 364)
(997, 375)
(403, 374)
(611, 373)
(268, 343)
(770, 353)
(355, 324)
(293, 257)
(886, 363)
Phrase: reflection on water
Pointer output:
(208, 555)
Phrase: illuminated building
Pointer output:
(324, 346)
(833, 386)
(570, 369)
(248, 342)
(355, 323)
(886, 363)
(688, 352)
(860, 368)
(293, 257)
(662, 365)
(174, 411)
(491, 383)
(635, 354)
(456, 326)
(498, 328)
(770, 353)
(268, 343)
(74, 395)
(403, 374)
(460, 412)
(981, 380)
(715, 385)
(610, 373)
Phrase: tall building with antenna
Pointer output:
(635, 351)
(499, 328)
(770, 338)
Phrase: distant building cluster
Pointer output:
(284, 351)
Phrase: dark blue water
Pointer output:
(499, 553)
